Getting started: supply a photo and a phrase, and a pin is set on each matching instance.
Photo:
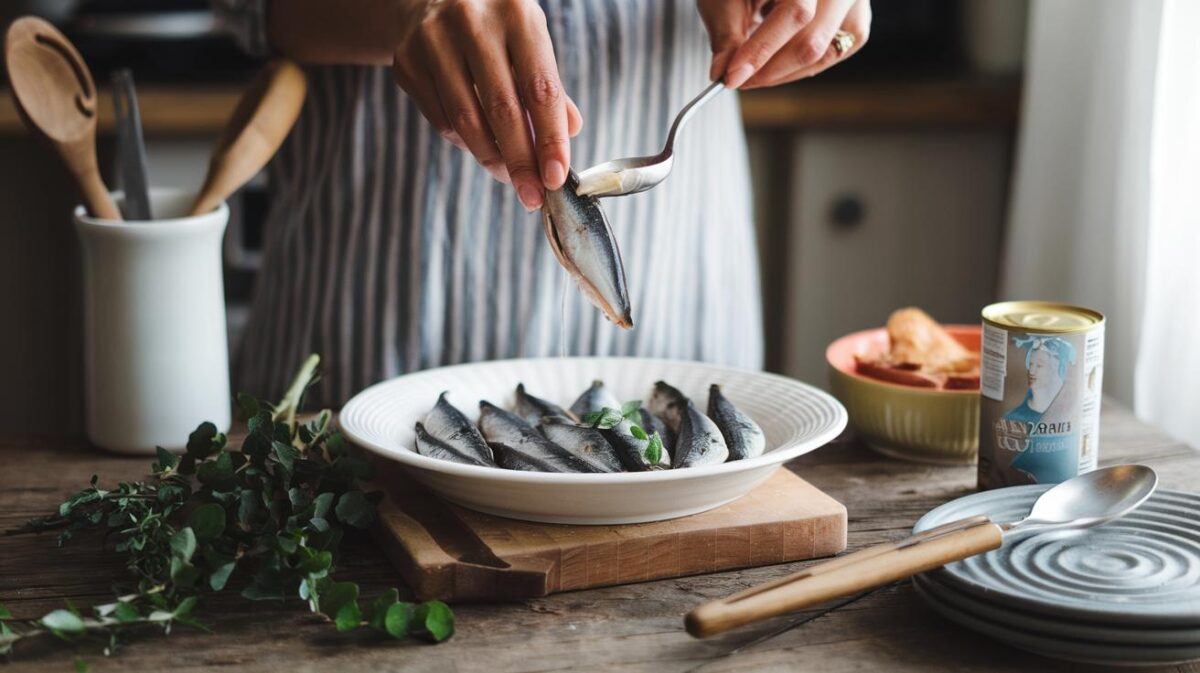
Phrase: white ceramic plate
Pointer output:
(795, 417)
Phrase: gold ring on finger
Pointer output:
(843, 42)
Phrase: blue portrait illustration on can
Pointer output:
(1048, 456)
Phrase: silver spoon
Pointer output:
(1081, 502)
(637, 174)
(1089, 500)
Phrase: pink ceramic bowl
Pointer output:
(932, 426)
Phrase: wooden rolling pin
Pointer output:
(846, 575)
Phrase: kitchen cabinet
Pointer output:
(868, 221)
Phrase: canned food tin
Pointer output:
(1040, 377)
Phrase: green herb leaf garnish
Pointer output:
(654, 450)
(604, 419)
(632, 410)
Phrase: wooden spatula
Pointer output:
(262, 119)
(56, 96)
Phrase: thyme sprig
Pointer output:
(272, 513)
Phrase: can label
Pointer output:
(1040, 405)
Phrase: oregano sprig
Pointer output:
(272, 512)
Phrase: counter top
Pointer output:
(628, 628)
(986, 102)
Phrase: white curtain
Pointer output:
(1106, 197)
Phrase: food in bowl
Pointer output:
(921, 423)
(595, 434)
(922, 354)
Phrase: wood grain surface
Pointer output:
(636, 627)
(455, 554)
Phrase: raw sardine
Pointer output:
(742, 435)
(428, 445)
(533, 409)
(519, 446)
(594, 399)
(447, 424)
(585, 442)
(584, 244)
(699, 442)
(631, 449)
(668, 404)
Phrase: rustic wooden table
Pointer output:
(627, 628)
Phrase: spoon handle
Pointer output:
(688, 110)
(95, 195)
(865, 569)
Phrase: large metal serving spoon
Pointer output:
(1082, 502)
(56, 96)
(637, 174)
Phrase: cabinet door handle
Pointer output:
(847, 211)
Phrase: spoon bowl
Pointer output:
(631, 175)
(1090, 499)
(56, 97)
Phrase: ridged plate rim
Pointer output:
(1058, 647)
(1180, 613)
(1051, 626)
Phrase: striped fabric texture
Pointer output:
(389, 250)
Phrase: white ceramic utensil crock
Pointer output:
(156, 353)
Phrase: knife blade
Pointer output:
(131, 147)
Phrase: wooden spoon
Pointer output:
(264, 115)
(56, 96)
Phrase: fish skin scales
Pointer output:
(519, 443)
(584, 244)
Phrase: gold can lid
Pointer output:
(1042, 316)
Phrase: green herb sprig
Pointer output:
(608, 418)
(273, 512)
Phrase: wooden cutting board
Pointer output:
(451, 553)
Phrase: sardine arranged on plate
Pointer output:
(534, 409)
(519, 446)
(595, 398)
(454, 431)
(586, 442)
(698, 441)
(742, 435)
(597, 434)
(584, 245)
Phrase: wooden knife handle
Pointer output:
(846, 575)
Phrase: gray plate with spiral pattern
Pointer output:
(1141, 570)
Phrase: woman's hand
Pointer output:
(483, 73)
(793, 39)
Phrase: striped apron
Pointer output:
(389, 250)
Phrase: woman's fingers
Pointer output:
(540, 90)
(786, 18)
(506, 115)
(574, 118)
(484, 74)
(411, 75)
(811, 50)
(727, 22)
(459, 104)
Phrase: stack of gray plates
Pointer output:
(1126, 593)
